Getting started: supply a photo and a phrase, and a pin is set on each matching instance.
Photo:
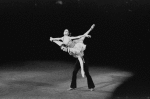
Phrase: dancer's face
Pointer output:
(66, 32)
(64, 48)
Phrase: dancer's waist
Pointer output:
(71, 44)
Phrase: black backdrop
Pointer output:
(121, 35)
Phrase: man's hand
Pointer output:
(51, 39)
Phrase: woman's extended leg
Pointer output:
(81, 64)
(89, 30)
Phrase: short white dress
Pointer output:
(76, 47)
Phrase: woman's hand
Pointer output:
(51, 39)
(89, 36)
(92, 26)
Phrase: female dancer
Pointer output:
(73, 45)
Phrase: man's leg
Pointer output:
(74, 75)
(89, 78)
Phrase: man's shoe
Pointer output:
(71, 89)
(91, 89)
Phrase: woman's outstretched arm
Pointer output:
(57, 39)
(77, 37)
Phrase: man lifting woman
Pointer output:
(75, 46)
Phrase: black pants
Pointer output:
(86, 70)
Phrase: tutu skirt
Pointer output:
(76, 48)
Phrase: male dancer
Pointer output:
(90, 83)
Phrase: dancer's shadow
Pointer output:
(137, 86)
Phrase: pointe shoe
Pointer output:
(71, 89)
(83, 74)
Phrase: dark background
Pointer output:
(120, 38)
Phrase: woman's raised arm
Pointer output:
(76, 37)
(85, 34)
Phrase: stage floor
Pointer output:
(50, 80)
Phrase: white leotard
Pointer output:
(66, 40)
(77, 49)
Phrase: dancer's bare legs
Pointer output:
(89, 31)
(85, 35)
(81, 40)
(81, 64)
(81, 61)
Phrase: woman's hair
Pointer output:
(65, 31)
(69, 34)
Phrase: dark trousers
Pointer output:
(86, 70)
